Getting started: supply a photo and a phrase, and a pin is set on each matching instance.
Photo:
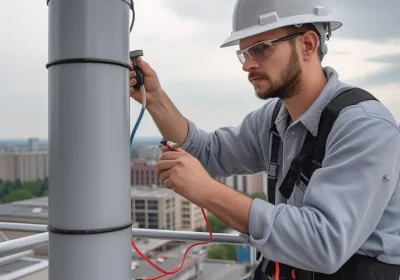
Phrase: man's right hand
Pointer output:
(150, 81)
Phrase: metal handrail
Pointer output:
(38, 240)
(22, 244)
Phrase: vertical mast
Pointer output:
(89, 151)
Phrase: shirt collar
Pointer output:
(310, 119)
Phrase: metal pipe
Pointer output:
(12, 258)
(22, 227)
(22, 244)
(186, 236)
(144, 233)
(89, 149)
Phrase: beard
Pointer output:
(288, 83)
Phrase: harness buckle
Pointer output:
(272, 170)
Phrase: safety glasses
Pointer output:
(262, 49)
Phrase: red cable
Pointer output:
(277, 271)
(178, 268)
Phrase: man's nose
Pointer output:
(249, 64)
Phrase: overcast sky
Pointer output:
(181, 40)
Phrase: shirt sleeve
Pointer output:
(343, 203)
(231, 150)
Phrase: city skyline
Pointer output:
(205, 82)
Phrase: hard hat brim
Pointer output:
(235, 37)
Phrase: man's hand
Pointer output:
(154, 92)
(185, 175)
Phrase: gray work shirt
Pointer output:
(351, 204)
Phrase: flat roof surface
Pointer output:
(16, 265)
(149, 245)
(31, 208)
(141, 269)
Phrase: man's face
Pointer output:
(277, 72)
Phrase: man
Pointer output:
(345, 222)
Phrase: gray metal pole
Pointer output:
(89, 151)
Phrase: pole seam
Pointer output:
(88, 60)
(88, 231)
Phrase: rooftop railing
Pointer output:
(40, 239)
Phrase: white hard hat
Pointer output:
(252, 17)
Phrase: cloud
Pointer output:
(389, 74)
(368, 19)
(356, 60)
(208, 10)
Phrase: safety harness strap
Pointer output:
(313, 151)
(275, 143)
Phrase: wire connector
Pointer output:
(139, 73)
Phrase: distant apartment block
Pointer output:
(33, 144)
(248, 184)
(26, 166)
(160, 208)
(145, 173)
(154, 208)
(192, 217)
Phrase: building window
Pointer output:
(152, 204)
(139, 204)
(153, 220)
(140, 218)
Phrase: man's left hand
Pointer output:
(185, 175)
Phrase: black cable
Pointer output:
(133, 16)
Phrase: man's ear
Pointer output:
(309, 45)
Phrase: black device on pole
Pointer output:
(139, 73)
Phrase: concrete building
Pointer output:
(248, 184)
(192, 217)
(26, 166)
(154, 208)
(161, 208)
(33, 144)
(145, 173)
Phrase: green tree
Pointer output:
(1, 191)
(259, 195)
(18, 185)
(44, 188)
(200, 229)
(33, 187)
(19, 194)
(8, 187)
(216, 224)
(222, 252)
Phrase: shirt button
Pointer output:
(385, 178)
